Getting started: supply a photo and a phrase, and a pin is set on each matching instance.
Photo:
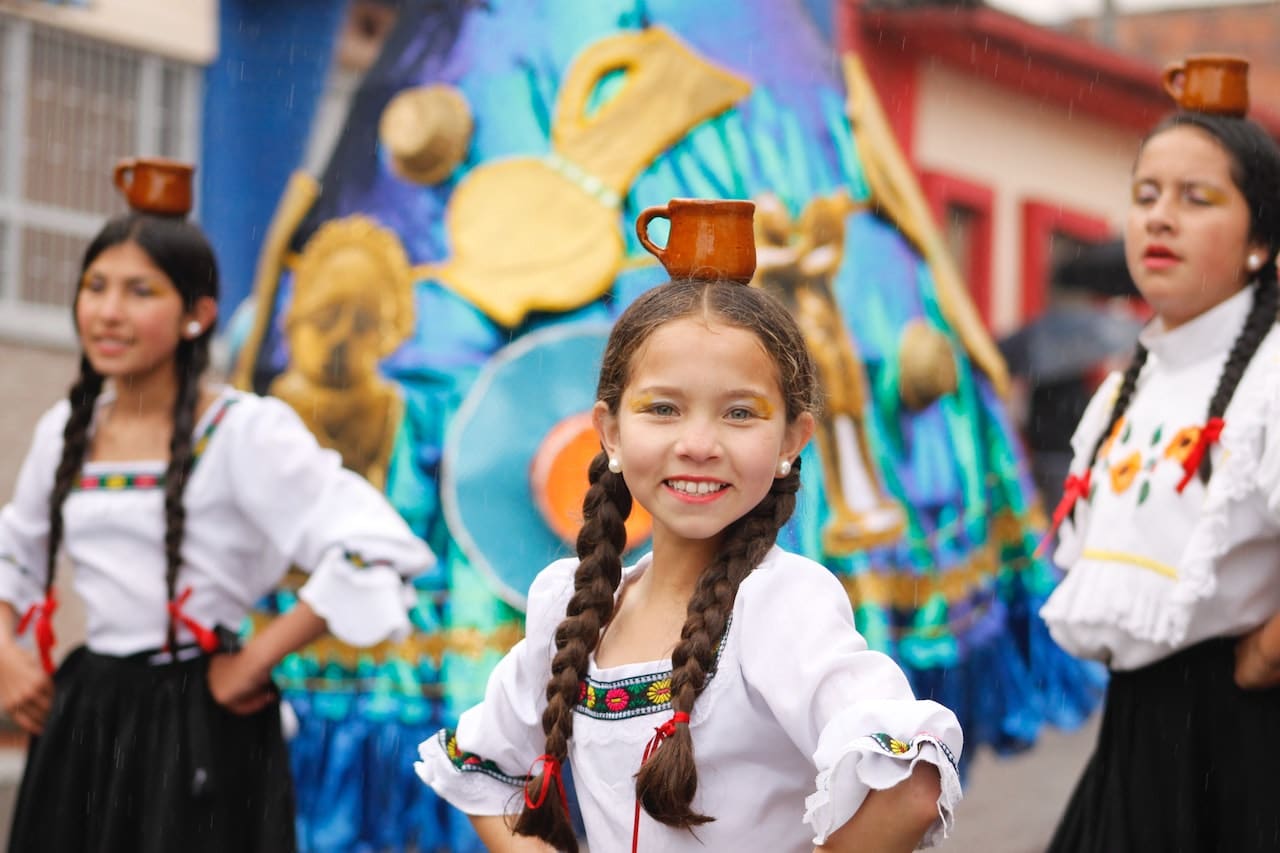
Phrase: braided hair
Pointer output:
(180, 250)
(1255, 170)
(667, 782)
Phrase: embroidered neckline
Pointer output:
(637, 695)
(469, 762)
(116, 481)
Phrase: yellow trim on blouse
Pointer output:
(1133, 560)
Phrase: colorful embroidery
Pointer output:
(1180, 446)
(898, 748)
(362, 562)
(469, 762)
(636, 696)
(116, 482)
(1105, 450)
(1122, 474)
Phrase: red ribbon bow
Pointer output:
(660, 733)
(41, 614)
(550, 770)
(206, 639)
(1075, 488)
(1209, 435)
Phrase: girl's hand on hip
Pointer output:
(26, 691)
(238, 685)
(1254, 669)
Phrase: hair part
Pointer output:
(183, 253)
(667, 782)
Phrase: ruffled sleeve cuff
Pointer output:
(363, 602)
(17, 585)
(876, 746)
(470, 783)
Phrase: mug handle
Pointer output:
(123, 167)
(1171, 73)
(642, 229)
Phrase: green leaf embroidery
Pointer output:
(1144, 491)
(1124, 436)
(1155, 439)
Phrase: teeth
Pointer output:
(699, 488)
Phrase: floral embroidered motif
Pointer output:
(636, 696)
(1123, 473)
(117, 482)
(1180, 446)
(362, 562)
(469, 762)
(895, 747)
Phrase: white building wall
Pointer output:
(185, 30)
(1023, 149)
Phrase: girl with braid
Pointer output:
(1172, 513)
(177, 506)
(715, 694)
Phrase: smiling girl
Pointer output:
(1174, 545)
(177, 506)
(715, 694)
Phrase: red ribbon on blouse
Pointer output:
(1075, 488)
(41, 615)
(1209, 435)
(550, 770)
(206, 639)
(660, 733)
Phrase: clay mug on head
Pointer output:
(155, 185)
(1209, 84)
(710, 238)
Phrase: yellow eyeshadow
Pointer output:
(639, 404)
(763, 406)
(1211, 195)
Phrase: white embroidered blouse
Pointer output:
(262, 495)
(1152, 571)
(797, 724)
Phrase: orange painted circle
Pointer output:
(558, 480)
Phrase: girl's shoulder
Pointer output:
(783, 576)
(254, 420)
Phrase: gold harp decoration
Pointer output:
(543, 233)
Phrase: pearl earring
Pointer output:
(615, 465)
(194, 328)
(1255, 261)
(784, 467)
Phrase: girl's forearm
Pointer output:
(283, 635)
(1269, 642)
(8, 622)
(893, 820)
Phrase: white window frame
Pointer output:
(26, 322)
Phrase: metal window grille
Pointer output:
(71, 107)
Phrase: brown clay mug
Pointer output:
(1209, 84)
(155, 185)
(710, 238)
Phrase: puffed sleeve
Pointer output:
(327, 521)
(849, 708)
(481, 767)
(24, 521)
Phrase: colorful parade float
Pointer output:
(435, 303)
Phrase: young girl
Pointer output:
(716, 693)
(1174, 545)
(177, 505)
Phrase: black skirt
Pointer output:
(1186, 762)
(139, 758)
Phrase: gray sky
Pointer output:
(1054, 11)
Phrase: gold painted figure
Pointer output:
(352, 306)
(796, 262)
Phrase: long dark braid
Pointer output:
(1123, 397)
(668, 781)
(600, 545)
(75, 444)
(190, 362)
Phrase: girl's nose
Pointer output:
(699, 440)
